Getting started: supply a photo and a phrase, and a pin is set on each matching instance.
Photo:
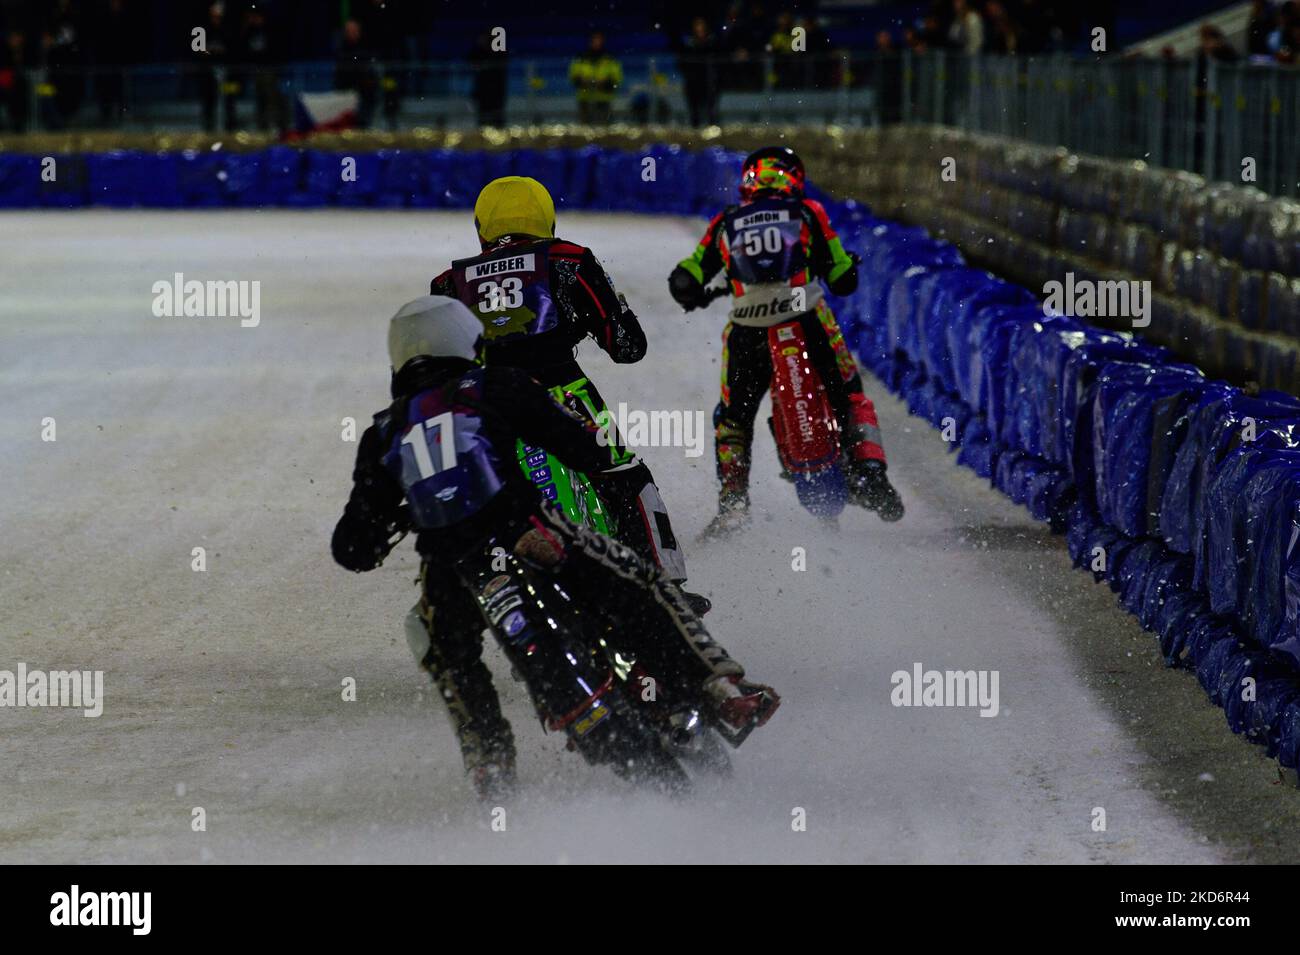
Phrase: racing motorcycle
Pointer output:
(803, 423)
(585, 683)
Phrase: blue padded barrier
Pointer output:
(1181, 493)
(19, 176)
(69, 186)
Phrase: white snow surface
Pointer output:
(223, 689)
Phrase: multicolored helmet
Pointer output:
(773, 167)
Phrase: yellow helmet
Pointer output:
(514, 205)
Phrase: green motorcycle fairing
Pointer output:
(564, 487)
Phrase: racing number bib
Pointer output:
(764, 242)
(509, 290)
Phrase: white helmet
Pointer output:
(433, 325)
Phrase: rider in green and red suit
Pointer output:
(774, 247)
(538, 296)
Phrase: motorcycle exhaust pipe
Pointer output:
(683, 727)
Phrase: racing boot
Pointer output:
(732, 448)
(487, 745)
(732, 516)
(740, 706)
(869, 487)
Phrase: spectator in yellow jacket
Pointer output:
(595, 76)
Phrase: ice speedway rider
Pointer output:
(766, 281)
(538, 297)
(402, 483)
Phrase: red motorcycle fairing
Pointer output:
(806, 430)
(805, 425)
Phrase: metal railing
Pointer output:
(1235, 122)
(1219, 120)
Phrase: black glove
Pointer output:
(359, 544)
(686, 289)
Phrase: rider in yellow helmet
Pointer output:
(538, 296)
(513, 205)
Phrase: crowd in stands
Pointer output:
(85, 46)
(1025, 27)
(752, 46)
(1272, 36)
(80, 50)
(65, 38)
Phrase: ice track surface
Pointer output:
(223, 688)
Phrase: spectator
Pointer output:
(1259, 28)
(382, 27)
(1215, 46)
(216, 56)
(752, 29)
(785, 67)
(699, 66)
(1289, 51)
(888, 67)
(354, 69)
(744, 36)
(821, 66)
(112, 52)
(15, 91)
(595, 76)
(490, 75)
(65, 62)
(1035, 27)
(1004, 35)
(933, 34)
(260, 54)
(418, 26)
(1287, 15)
(966, 34)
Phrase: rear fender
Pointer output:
(805, 426)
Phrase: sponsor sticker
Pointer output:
(517, 263)
(764, 217)
(513, 624)
(507, 602)
(495, 584)
(589, 722)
